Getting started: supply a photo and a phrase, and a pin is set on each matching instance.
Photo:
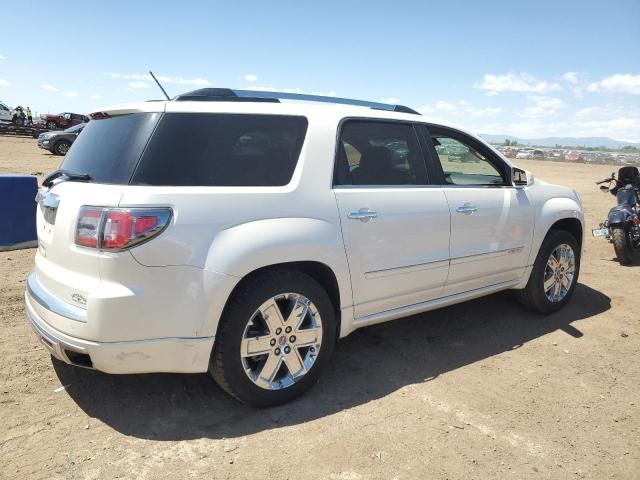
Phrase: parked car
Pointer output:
(62, 120)
(537, 155)
(575, 157)
(60, 142)
(524, 155)
(244, 237)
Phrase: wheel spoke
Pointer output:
(308, 337)
(255, 346)
(298, 314)
(557, 289)
(549, 283)
(566, 282)
(269, 371)
(294, 363)
(272, 315)
(553, 263)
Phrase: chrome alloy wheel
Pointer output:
(281, 341)
(559, 272)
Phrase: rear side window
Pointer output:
(205, 149)
(108, 149)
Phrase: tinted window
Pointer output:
(108, 149)
(464, 163)
(379, 153)
(222, 150)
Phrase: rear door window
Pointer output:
(209, 149)
(375, 153)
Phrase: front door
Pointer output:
(491, 220)
(395, 226)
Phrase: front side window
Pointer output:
(464, 164)
(379, 154)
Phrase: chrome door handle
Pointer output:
(364, 215)
(467, 209)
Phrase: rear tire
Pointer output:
(622, 245)
(534, 296)
(51, 125)
(242, 375)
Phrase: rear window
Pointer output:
(205, 149)
(108, 149)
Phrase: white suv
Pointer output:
(229, 232)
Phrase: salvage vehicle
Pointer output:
(60, 142)
(231, 233)
(62, 120)
(622, 227)
(15, 116)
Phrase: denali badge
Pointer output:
(79, 299)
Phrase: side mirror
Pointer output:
(521, 178)
(604, 189)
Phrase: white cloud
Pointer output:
(619, 83)
(48, 87)
(543, 107)
(138, 85)
(4, 83)
(571, 77)
(71, 94)
(198, 82)
(250, 77)
(515, 82)
(95, 96)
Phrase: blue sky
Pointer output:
(535, 68)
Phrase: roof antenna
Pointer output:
(158, 83)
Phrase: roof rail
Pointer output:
(229, 95)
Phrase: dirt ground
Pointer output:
(481, 390)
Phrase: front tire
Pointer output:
(554, 275)
(51, 125)
(61, 147)
(622, 245)
(275, 338)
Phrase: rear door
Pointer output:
(491, 220)
(395, 225)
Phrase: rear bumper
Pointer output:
(177, 355)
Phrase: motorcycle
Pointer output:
(622, 227)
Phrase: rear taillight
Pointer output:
(635, 220)
(119, 228)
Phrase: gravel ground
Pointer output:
(480, 390)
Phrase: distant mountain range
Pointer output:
(564, 141)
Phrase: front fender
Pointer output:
(552, 211)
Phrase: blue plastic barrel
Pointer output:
(18, 211)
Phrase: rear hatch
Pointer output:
(107, 152)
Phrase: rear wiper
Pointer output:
(66, 175)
